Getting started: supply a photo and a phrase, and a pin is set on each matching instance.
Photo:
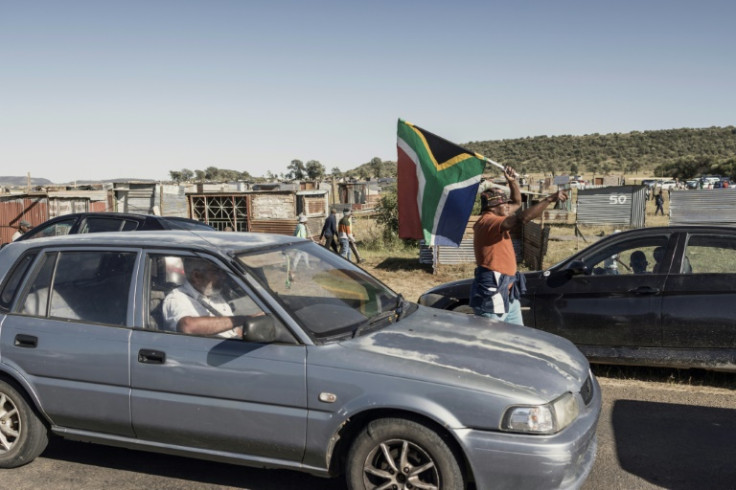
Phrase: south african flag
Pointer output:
(437, 184)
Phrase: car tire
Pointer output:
(375, 458)
(464, 309)
(23, 436)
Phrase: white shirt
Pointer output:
(187, 301)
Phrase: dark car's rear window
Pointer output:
(186, 224)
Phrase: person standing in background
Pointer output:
(23, 228)
(329, 231)
(345, 233)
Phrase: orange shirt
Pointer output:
(493, 247)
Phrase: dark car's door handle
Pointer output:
(148, 356)
(29, 341)
(644, 290)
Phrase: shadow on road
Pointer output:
(674, 446)
(194, 471)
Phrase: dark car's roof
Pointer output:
(146, 220)
(215, 241)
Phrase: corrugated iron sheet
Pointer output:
(13, 209)
(61, 206)
(279, 226)
(703, 206)
(622, 205)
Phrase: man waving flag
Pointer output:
(437, 185)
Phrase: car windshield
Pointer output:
(328, 295)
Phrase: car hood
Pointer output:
(474, 352)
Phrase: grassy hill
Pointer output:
(649, 152)
(611, 153)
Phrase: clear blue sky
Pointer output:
(101, 89)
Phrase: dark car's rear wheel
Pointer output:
(401, 454)
(23, 436)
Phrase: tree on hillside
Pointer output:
(376, 166)
(315, 170)
(183, 175)
(336, 172)
(297, 170)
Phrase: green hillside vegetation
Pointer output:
(681, 153)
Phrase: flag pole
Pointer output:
(488, 160)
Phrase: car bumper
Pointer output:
(517, 461)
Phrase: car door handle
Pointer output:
(28, 341)
(644, 290)
(148, 356)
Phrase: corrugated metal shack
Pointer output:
(703, 207)
(260, 211)
(358, 196)
(622, 205)
(41, 206)
(135, 197)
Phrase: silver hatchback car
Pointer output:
(272, 351)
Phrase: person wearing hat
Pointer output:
(23, 227)
(301, 231)
(497, 286)
(345, 233)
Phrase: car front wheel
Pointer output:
(401, 454)
(23, 436)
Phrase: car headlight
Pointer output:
(542, 419)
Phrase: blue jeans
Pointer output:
(513, 316)
(345, 248)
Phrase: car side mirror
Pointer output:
(577, 268)
(259, 329)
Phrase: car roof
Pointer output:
(224, 241)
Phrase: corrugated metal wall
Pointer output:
(135, 197)
(172, 200)
(61, 206)
(703, 206)
(623, 205)
(13, 209)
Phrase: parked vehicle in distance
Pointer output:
(649, 182)
(678, 312)
(693, 184)
(724, 183)
(70, 224)
(667, 184)
(334, 374)
(579, 184)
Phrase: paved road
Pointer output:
(651, 435)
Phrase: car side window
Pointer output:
(640, 256)
(709, 254)
(184, 286)
(14, 280)
(88, 286)
(59, 228)
(101, 224)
